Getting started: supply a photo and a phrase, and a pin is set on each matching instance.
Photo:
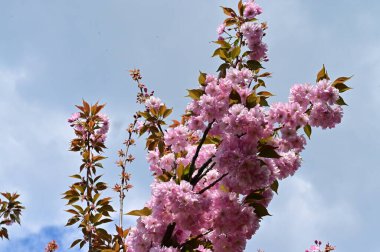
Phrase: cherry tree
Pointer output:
(215, 169)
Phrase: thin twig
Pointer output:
(196, 237)
(213, 183)
(208, 169)
(168, 234)
(196, 178)
(192, 165)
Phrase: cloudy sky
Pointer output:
(54, 53)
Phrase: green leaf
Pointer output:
(77, 176)
(72, 200)
(212, 140)
(341, 102)
(86, 155)
(260, 83)
(307, 129)
(223, 44)
(274, 186)
(103, 221)
(144, 114)
(101, 186)
(99, 165)
(341, 87)
(75, 243)
(142, 212)
(79, 208)
(322, 74)
(97, 217)
(72, 221)
(341, 80)
(260, 210)
(234, 97)
(221, 52)
(235, 52)
(241, 7)
(202, 78)
(268, 151)
(180, 170)
(97, 158)
(265, 93)
(86, 107)
(229, 12)
(161, 110)
(230, 21)
(195, 93)
(254, 65)
(164, 178)
(263, 101)
(161, 147)
(82, 244)
(252, 197)
(251, 100)
(143, 129)
(167, 112)
(223, 67)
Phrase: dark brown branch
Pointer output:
(88, 175)
(196, 237)
(200, 171)
(168, 235)
(208, 169)
(213, 183)
(192, 165)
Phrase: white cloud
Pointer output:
(34, 144)
(300, 214)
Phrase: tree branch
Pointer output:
(197, 177)
(213, 183)
(192, 165)
(168, 234)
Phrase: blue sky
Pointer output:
(54, 53)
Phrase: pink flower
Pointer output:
(251, 10)
(177, 138)
(221, 29)
(301, 94)
(167, 162)
(326, 92)
(74, 117)
(287, 164)
(325, 116)
(153, 102)
(201, 248)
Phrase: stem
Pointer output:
(213, 183)
(192, 165)
(196, 237)
(196, 178)
(159, 127)
(88, 175)
(240, 44)
(121, 194)
(168, 234)
(208, 169)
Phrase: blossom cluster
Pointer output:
(51, 246)
(85, 203)
(102, 127)
(317, 247)
(216, 169)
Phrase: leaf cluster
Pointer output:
(10, 212)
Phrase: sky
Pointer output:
(54, 53)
